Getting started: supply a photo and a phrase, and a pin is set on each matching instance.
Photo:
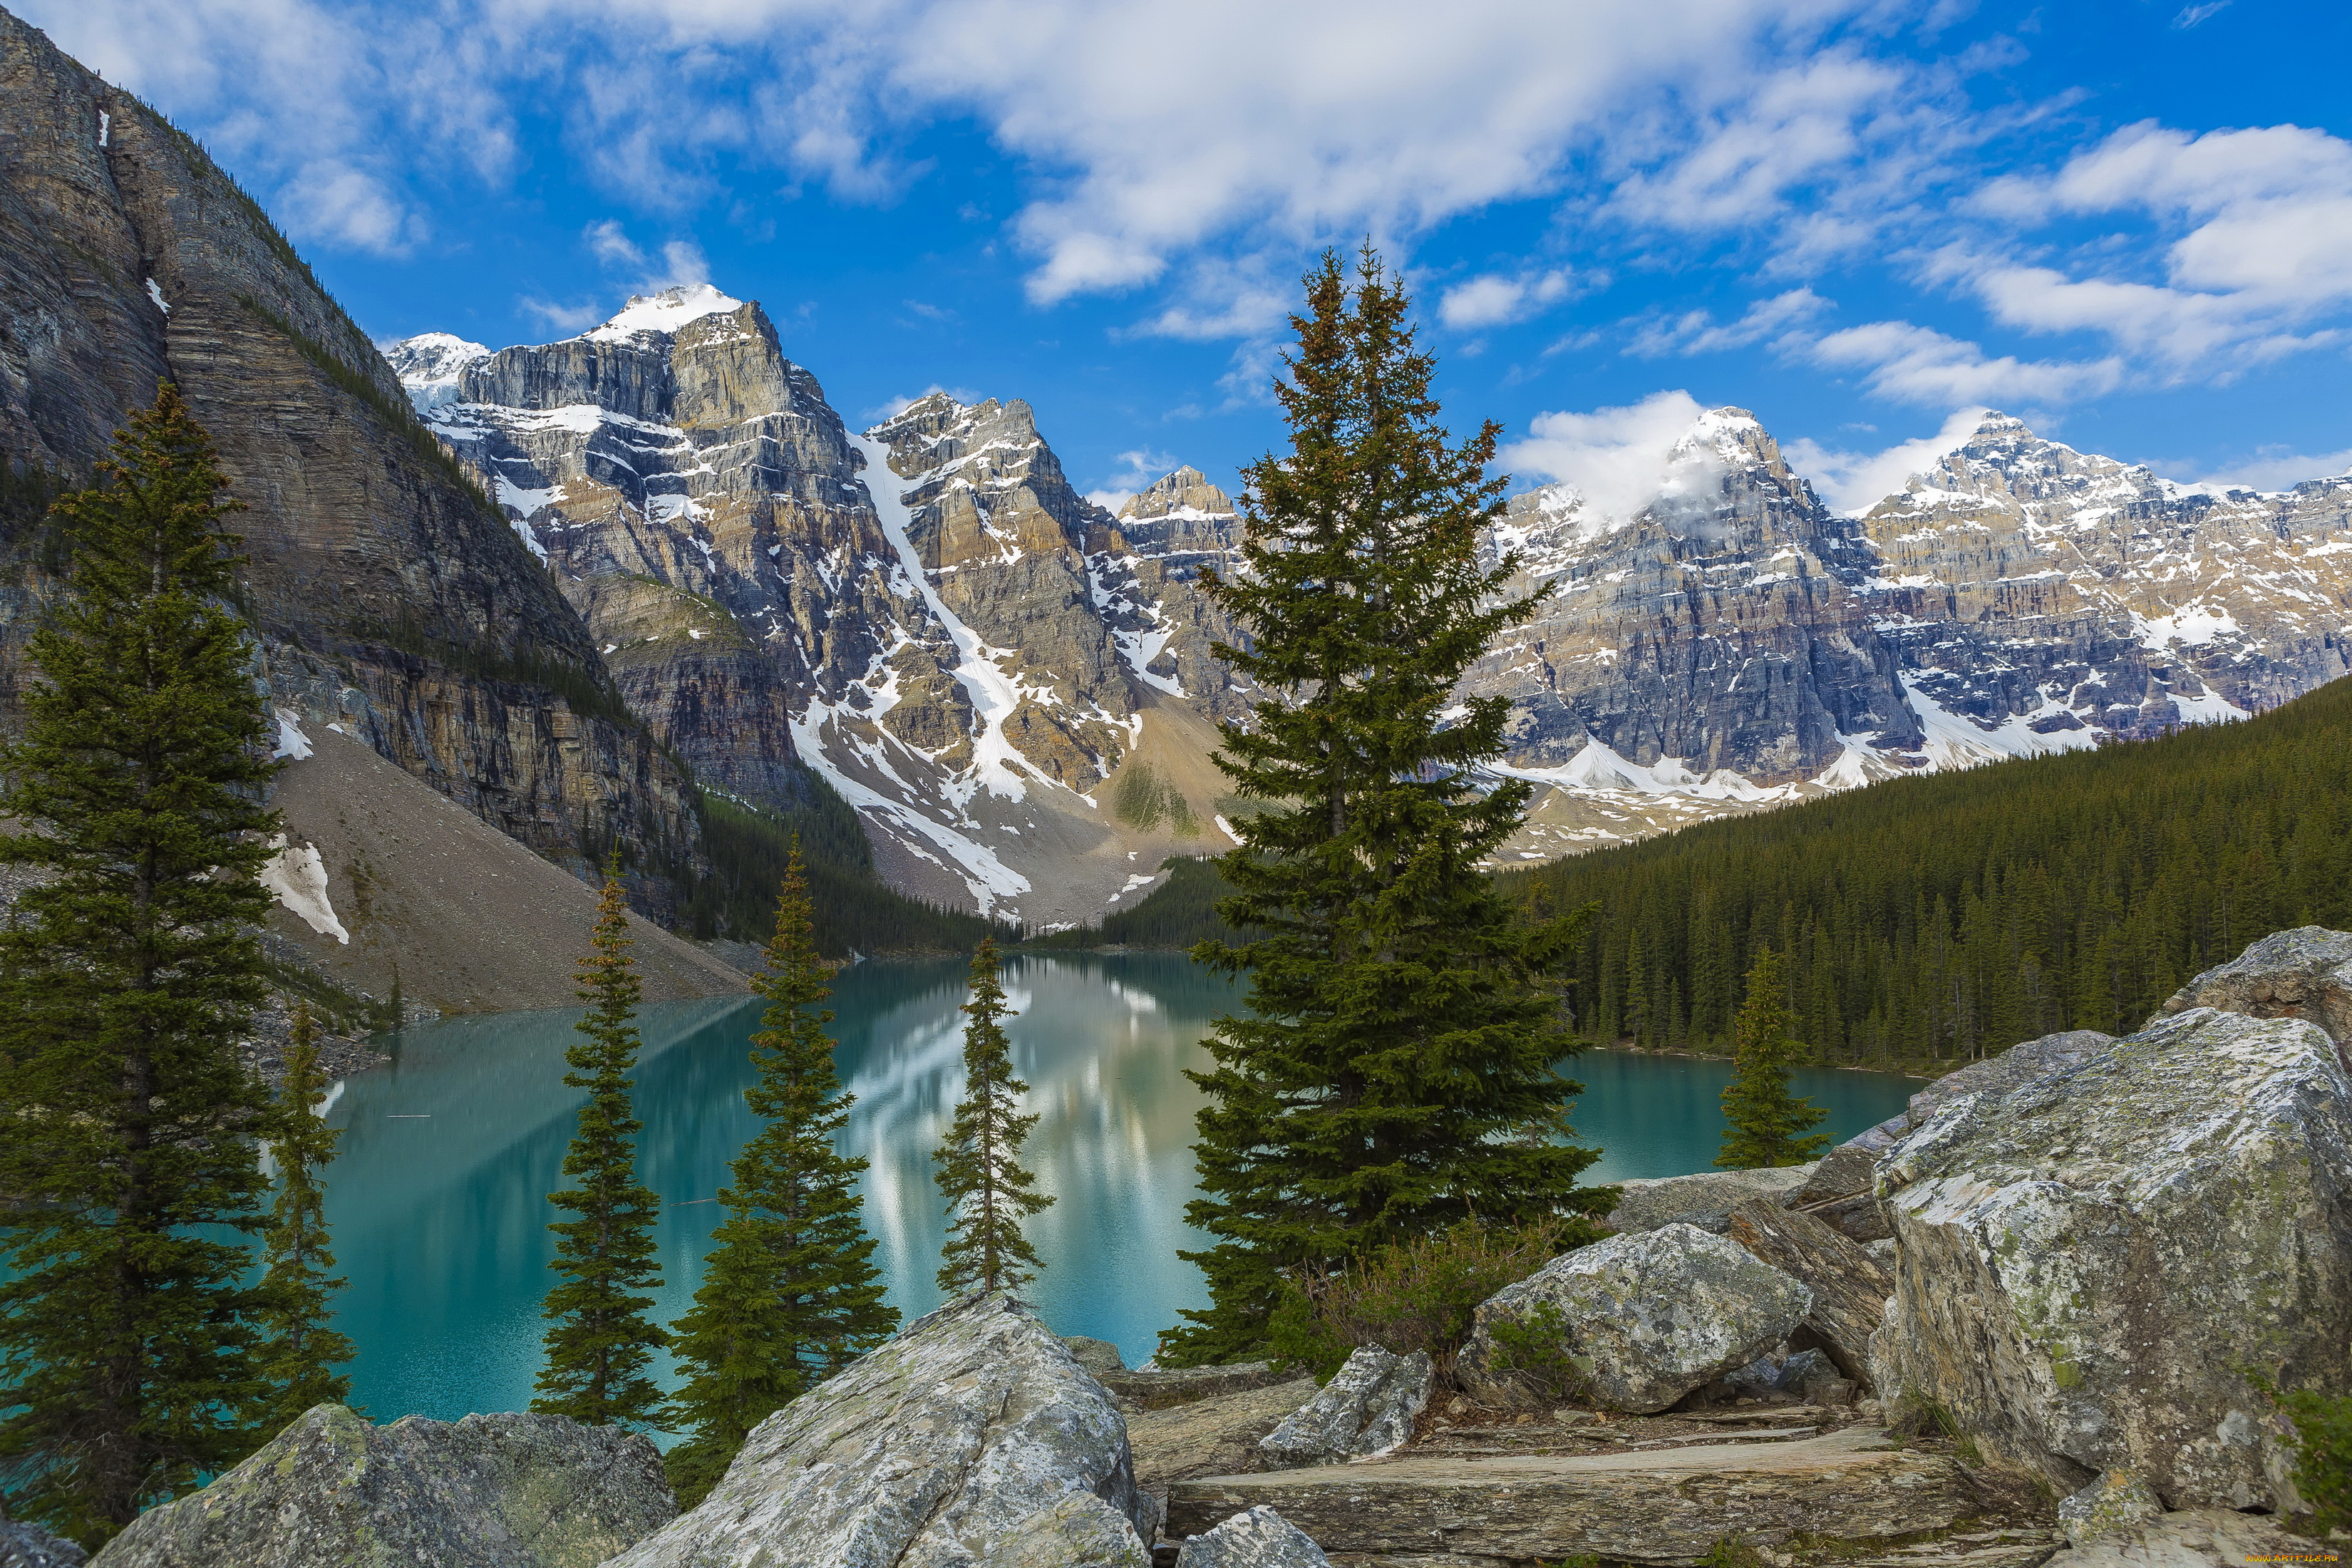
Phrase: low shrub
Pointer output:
(1419, 1295)
(2323, 1455)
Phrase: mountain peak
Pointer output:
(430, 364)
(1185, 491)
(664, 314)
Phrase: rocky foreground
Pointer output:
(2019, 1325)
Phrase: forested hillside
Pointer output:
(1954, 915)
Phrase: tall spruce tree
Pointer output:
(1762, 1120)
(980, 1164)
(790, 1294)
(300, 1350)
(1393, 1074)
(601, 1342)
(130, 972)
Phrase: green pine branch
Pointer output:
(601, 1343)
(789, 1294)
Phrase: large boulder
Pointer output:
(1081, 1531)
(1637, 1321)
(2089, 1265)
(2013, 1068)
(2301, 973)
(1839, 1194)
(1368, 1407)
(1850, 1287)
(26, 1545)
(1161, 1388)
(1702, 1199)
(929, 1452)
(2195, 1538)
(1099, 1357)
(1254, 1538)
(491, 1491)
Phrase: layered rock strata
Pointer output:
(927, 615)
(388, 597)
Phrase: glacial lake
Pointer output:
(438, 1198)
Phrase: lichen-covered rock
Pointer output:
(1368, 1407)
(1256, 1538)
(2194, 1538)
(1838, 1193)
(929, 1452)
(1849, 1286)
(1081, 1531)
(505, 1490)
(1641, 1320)
(2087, 1266)
(28, 1545)
(1098, 1356)
(2013, 1068)
(2119, 1500)
(1704, 1198)
(1161, 1388)
(2304, 973)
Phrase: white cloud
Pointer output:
(1136, 470)
(1852, 482)
(1696, 332)
(2191, 15)
(609, 243)
(2270, 468)
(1912, 364)
(1619, 459)
(566, 319)
(331, 201)
(1492, 300)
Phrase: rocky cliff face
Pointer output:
(389, 598)
(1733, 645)
(927, 615)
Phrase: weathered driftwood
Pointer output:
(1850, 1287)
(1668, 1508)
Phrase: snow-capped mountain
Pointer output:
(1733, 645)
(925, 613)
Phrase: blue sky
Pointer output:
(2129, 221)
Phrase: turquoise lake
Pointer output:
(438, 1199)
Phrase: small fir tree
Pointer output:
(1763, 1120)
(979, 1165)
(1394, 1074)
(790, 1294)
(132, 971)
(299, 1351)
(601, 1342)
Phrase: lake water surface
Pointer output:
(438, 1199)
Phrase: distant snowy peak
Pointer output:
(430, 365)
(1185, 492)
(664, 314)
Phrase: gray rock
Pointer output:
(1704, 1198)
(1258, 1538)
(1161, 1388)
(2088, 1264)
(2194, 1538)
(2118, 1501)
(1081, 1531)
(1368, 1407)
(1645, 1318)
(1799, 1377)
(506, 1491)
(929, 1452)
(24, 1544)
(2013, 1068)
(1098, 1356)
(2304, 973)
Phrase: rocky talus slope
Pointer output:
(1733, 644)
(1012, 687)
(389, 598)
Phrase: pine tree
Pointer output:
(126, 1349)
(1399, 1048)
(791, 1295)
(601, 1342)
(979, 1165)
(1763, 1119)
(299, 1351)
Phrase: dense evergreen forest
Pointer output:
(1951, 916)
(855, 911)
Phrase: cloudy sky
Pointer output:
(2128, 221)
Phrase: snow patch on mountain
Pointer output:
(430, 365)
(663, 313)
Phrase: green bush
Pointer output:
(1418, 1296)
(1535, 1348)
(2323, 1455)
